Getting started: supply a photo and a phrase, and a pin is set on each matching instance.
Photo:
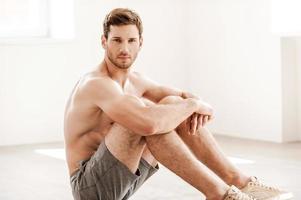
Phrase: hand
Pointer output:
(186, 127)
(186, 95)
(200, 118)
(195, 122)
(205, 109)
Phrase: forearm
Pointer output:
(158, 93)
(166, 117)
(167, 91)
(170, 91)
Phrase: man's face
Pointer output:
(122, 45)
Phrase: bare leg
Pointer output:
(126, 146)
(171, 151)
(129, 147)
(207, 150)
(148, 157)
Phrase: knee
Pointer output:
(170, 99)
(157, 138)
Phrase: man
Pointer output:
(118, 124)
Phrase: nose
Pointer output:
(124, 49)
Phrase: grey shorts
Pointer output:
(104, 177)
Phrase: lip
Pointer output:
(123, 57)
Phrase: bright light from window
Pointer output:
(29, 20)
(60, 154)
(54, 153)
(23, 18)
(241, 161)
(285, 17)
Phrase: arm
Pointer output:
(132, 113)
(156, 92)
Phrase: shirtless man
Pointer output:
(118, 124)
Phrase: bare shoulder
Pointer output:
(93, 79)
(142, 78)
(99, 84)
(144, 81)
(138, 75)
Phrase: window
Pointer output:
(23, 18)
(285, 17)
(36, 19)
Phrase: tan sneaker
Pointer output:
(261, 191)
(235, 194)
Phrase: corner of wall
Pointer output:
(289, 90)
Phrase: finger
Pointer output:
(205, 120)
(201, 120)
(208, 118)
(198, 122)
(188, 124)
(211, 116)
(193, 124)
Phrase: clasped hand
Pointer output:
(198, 119)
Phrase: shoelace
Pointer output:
(243, 196)
(262, 185)
(237, 195)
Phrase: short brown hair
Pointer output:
(121, 16)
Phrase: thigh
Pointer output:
(113, 179)
(114, 165)
(148, 157)
(125, 146)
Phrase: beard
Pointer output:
(121, 65)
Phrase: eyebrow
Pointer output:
(128, 38)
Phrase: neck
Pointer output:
(117, 74)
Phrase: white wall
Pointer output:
(221, 50)
(36, 79)
(236, 66)
(298, 53)
(289, 89)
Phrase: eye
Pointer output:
(132, 40)
(116, 40)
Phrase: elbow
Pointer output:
(150, 128)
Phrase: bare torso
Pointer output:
(85, 123)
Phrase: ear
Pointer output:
(140, 42)
(103, 41)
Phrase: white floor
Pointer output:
(39, 171)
